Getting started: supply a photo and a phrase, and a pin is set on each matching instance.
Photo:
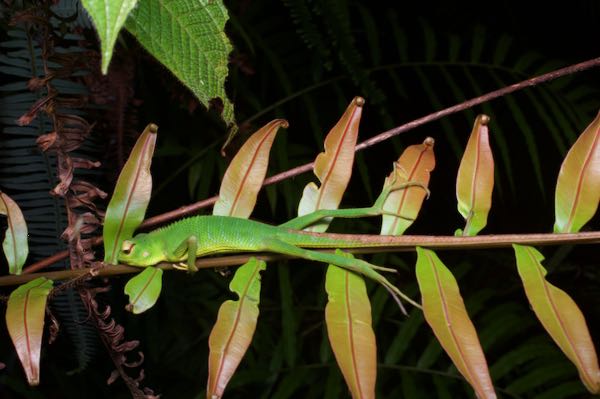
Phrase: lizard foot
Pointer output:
(181, 266)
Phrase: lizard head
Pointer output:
(141, 251)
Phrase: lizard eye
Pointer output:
(127, 247)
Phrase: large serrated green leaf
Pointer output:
(187, 36)
(109, 17)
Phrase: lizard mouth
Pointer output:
(129, 260)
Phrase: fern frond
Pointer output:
(29, 175)
(308, 29)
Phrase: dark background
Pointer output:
(407, 60)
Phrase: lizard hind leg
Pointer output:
(399, 180)
(355, 265)
(385, 193)
(396, 186)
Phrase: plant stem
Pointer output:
(401, 243)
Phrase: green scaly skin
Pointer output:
(185, 240)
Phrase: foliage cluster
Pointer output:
(303, 66)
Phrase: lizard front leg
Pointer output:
(189, 246)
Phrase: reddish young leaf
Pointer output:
(130, 199)
(232, 333)
(414, 165)
(348, 318)
(578, 186)
(475, 180)
(235, 326)
(15, 239)
(559, 315)
(25, 322)
(334, 166)
(351, 336)
(246, 172)
(144, 289)
(445, 312)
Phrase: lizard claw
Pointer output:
(181, 266)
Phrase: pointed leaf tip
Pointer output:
(475, 180)
(108, 17)
(578, 187)
(25, 312)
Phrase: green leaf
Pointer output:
(109, 17)
(559, 315)
(235, 326)
(15, 244)
(578, 186)
(144, 289)
(348, 318)
(129, 201)
(187, 36)
(445, 312)
(25, 313)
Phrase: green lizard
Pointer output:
(183, 241)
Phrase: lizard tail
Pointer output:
(397, 294)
